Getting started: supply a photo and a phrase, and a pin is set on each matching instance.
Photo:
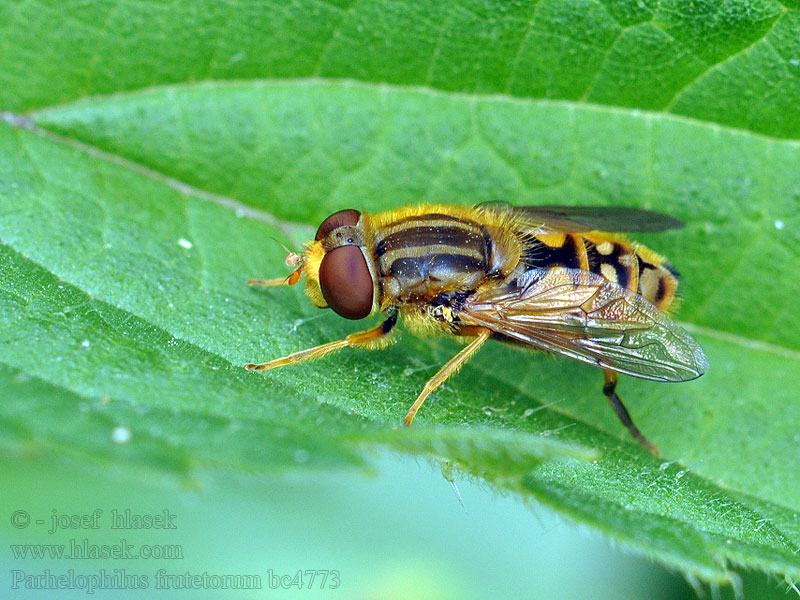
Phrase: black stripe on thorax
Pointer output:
(435, 266)
(466, 237)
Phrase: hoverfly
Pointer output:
(543, 277)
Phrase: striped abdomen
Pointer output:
(422, 256)
(631, 266)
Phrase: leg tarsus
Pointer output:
(609, 389)
(446, 371)
(362, 338)
(266, 282)
(291, 279)
(311, 353)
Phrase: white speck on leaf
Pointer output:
(85, 344)
(779, 225)
(121, 435)
(184, 243)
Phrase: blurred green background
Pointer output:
(401, 534)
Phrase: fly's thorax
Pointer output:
(420, 320)
(421, 256)
(504, 251)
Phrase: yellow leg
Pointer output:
(266, 282)
(290, 279)
(364, 338)
(446, 371)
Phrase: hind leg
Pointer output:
(609, 389)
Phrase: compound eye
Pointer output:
(346, 283)
(337, 219)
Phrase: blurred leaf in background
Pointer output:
(148, 152)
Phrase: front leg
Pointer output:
(371, 339)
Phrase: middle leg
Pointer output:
(447, 370)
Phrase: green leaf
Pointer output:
(733, 62)
(131, 218)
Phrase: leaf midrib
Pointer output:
(393, 88)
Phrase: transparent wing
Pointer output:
(585, 317)
(576, 219)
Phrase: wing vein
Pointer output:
(581, 315)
